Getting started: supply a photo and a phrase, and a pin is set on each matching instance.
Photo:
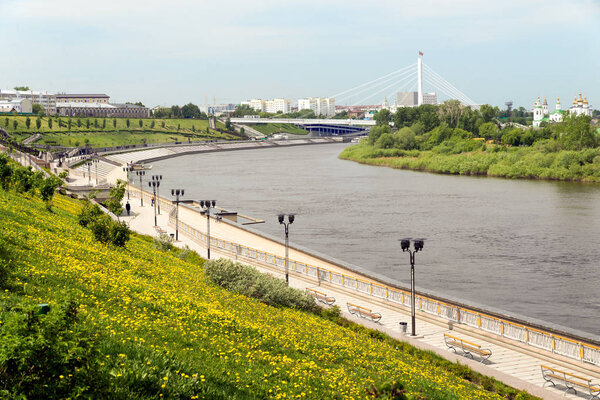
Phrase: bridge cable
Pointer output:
(440, 78)
(437, 81)
(374, 80)
(412, 76)
(373, 87)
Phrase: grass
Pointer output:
(269, 129)
(111, 131)
(165, 332)
(490, 160)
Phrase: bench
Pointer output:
(569, 380)
(320, 296)
(363, 312)
(160, 230)
(468, 348)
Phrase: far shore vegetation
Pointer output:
(454, 139)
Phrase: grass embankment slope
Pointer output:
(534, 162)
(269, 129)
(163, 332)
(110, 131)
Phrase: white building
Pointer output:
(258, 105)
(411, 99)
(47, 100)
(320, 105)
(278, 105)
(581, 107)
(16, 105)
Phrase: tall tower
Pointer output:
(420, 79)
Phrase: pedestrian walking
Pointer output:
(152, 202)
(128, 208)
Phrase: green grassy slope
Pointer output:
(165, 332)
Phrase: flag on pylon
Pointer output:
(420, 53)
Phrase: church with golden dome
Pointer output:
(541, 113)
(581, 106)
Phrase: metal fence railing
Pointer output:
(558, 344)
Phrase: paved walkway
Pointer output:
(515, 364)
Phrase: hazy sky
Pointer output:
(177, 51)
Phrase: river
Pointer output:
(527, 247)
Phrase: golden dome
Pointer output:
(585, 100)
(580, 99)
(575, 100)
(558, 99)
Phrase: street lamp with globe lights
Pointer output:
(141, 175)
(286, 225)
(206, 205)
(417, 246)
(176, 193)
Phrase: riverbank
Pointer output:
(490, 160)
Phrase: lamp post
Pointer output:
(418, 246)
(206, 205)
(141, 174)
(157, 178)
(286, 226)
(89, 165)
(96, 161)
(177, 193)
(127, 169)
(154, 185)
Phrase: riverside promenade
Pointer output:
(516, 363)
(518, 350)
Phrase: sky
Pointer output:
(180, 51)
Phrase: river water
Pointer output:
(527, 247)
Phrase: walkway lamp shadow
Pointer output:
(417, 246)
(176, 193)
(281, 218)
(206, 205)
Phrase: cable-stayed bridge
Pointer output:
(418, 80)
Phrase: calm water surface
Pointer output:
(528, 247)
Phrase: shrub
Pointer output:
(88, 213)
(101, 228)
(119, 233)
(163, 242)
(246, 280)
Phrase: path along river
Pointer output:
(527, 247)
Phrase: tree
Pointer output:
(512, 137)
(79, 123)
(15, 124)
(50, 123)
(178, 127)
(190, 111)
(377, 131)
(228, 124)
(243, 110)
(103, 123)
(47, 188)
(385, 141)
(37, 109)
(28, 122)
(242, 131)
(193, 128)
(6, 122)
(69, 123)
(96, 122)
(22, 88)
(162, 124)
(488, 113)
(127, 122)
(383, 117)
(38, 123)
(141, 123)
(450, 112)
(489, 130)
(114, 122)
(116, 197)
(152, 124)
(575, 133)
(405, 139)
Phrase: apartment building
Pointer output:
(82, 98)
(278, 105)
(320, 105)
(103, 110)
(45, 99)
(17, 105)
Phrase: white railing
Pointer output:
(558, 344)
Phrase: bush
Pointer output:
(163, 242)
(89, 213)
(246, 280)
(119, 233)
(101, 228)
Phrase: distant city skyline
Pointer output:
(164, 53)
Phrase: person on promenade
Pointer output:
(128, 208)
(152, 202)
